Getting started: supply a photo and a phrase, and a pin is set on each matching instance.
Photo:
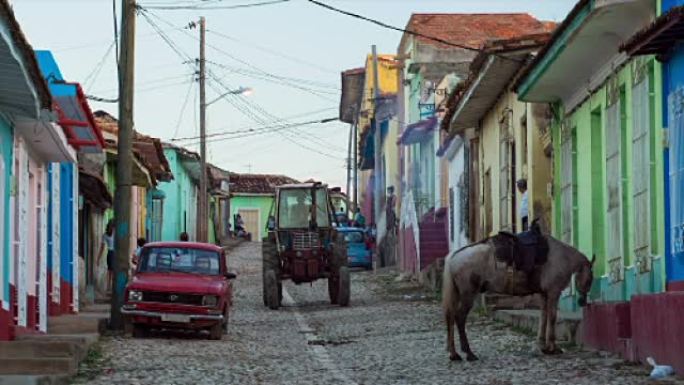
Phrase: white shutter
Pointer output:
(641, 163)
(566, 185)
(21, 233)
(56, 233)
(614, 185)
(505, 198)
(42, 236)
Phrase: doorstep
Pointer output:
(568, 324)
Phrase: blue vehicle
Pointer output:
(359, 253)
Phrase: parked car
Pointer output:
(359, 250)
(180, 285)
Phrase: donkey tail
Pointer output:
(450, 294)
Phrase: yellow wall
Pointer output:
(388, 83)
(532, 164)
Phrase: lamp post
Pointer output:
(203, 215)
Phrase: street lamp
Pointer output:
(240, 91)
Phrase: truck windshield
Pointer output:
(353, 237)
(295, 205)
(182, 260)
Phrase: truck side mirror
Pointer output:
(230, 275)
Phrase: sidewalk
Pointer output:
(568, 325)
(52, 358)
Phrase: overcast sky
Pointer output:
(291, 54)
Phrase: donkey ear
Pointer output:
(593, 259)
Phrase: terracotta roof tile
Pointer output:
(473, 30)
(146, 148)
(257, 183)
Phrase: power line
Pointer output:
(385, 25)
(274, 52)
(259, 130)
(246, 108)
(221, 131)
(201, 7)
(92, 76)
(223, 52)
(182, 111)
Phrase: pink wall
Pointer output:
(647, 326)
(408, 250)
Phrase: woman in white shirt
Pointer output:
(524, 211)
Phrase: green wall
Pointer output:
(261, 202)
(590, 232)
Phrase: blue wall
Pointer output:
(66, 202)
(177, 193)
(673, 77)
(6, 149)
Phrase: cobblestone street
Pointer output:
(388, 335)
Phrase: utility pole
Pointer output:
(349, 165)
(122, 194)
(202, 216)
(378, 137)
(356, 161)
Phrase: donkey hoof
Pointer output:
(471, 357)
(552, 351)
(455, 357)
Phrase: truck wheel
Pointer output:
(226, 315)
(333, 288)
(139, 331)
(271, 290)
(344, 287)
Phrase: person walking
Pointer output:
(359, 219)
(524, 208)
(107, 247)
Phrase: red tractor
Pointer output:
(302, 244)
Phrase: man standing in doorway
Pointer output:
(524, 211)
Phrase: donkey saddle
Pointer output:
(524, 250)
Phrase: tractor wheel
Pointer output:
(339, 252)
(344, 286)
(271, 290)
(333, 288)
(269, 255)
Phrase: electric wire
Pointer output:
(182, 111)
(273, 52)
(245, 107)
(212, 7)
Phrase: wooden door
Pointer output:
(251, 219)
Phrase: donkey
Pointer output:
(480, 268)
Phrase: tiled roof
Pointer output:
(473, 30)
(257, 183)
(146, 148)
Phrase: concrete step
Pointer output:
(18, 379)
(568, 325)
(87, 322)
(52, 365)
(86, 339)
(508, 302)
(39, 349)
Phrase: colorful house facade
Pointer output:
(180, 194)
(424, 221)
(252, 196)
(608, 169)
(486, 110)
(32, 142)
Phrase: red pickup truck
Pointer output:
(181, 285)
